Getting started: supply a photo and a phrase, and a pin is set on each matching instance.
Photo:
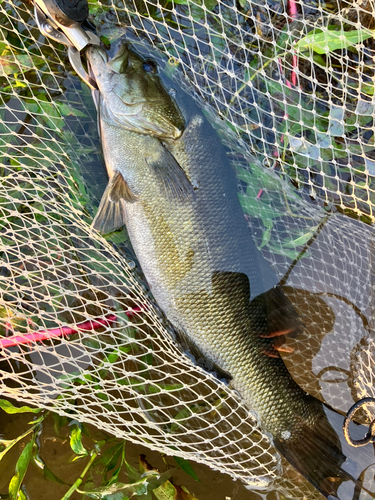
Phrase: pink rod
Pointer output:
(293, 12)
(28, 338)
(294, 74)
(293, 9)
(88, 325)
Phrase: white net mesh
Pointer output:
(292, 97)
(363, 371)
(309, 115)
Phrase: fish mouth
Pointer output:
(95, 55)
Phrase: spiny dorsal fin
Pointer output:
(173, 177)
(119, 189)
(110, 216)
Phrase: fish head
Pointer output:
(132, 94)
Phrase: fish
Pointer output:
(171, 185)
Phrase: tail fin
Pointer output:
(332, 466)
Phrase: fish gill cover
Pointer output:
(284, 85)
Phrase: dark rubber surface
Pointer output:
(67, 12)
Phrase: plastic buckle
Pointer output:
(74, 36)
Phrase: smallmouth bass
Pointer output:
(173, 188)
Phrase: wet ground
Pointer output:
(55, 452)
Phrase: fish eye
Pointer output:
(150, 66)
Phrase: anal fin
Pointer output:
(201, 360)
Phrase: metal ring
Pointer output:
(269, 162)
(370, 436)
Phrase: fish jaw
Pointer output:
(132, 96)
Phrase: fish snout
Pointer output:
(96, 60)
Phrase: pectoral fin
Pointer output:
(111, 211)
(119, 189)
(174, 180)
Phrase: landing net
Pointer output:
(296, 88)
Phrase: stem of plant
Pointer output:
(78, 482)
(244, 85)
(14, 441)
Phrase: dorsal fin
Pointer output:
(119, 189)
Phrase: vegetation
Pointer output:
(48, 124)
(97, 461)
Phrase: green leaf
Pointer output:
(21, 468)
(112, 357)
(301, 240)
(186, 466)
(154, 389)
(165, 491)
(281, 250)
(10, 443)
(169, 491)
(210, 4)
(367, 88)
(38, 419)
(181, 415)
(114, 476)
(14, 63)
(267, 233)
(148, 359)
(117, 236)
(147, 483)
(110, 457)
(261, 176)
(67, 109)
(319, 61)
(255, 207)
(138, 488)
(75, 440)
(22, 496)
(328, 40)
(8, 407)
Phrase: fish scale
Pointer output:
(187, 228)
